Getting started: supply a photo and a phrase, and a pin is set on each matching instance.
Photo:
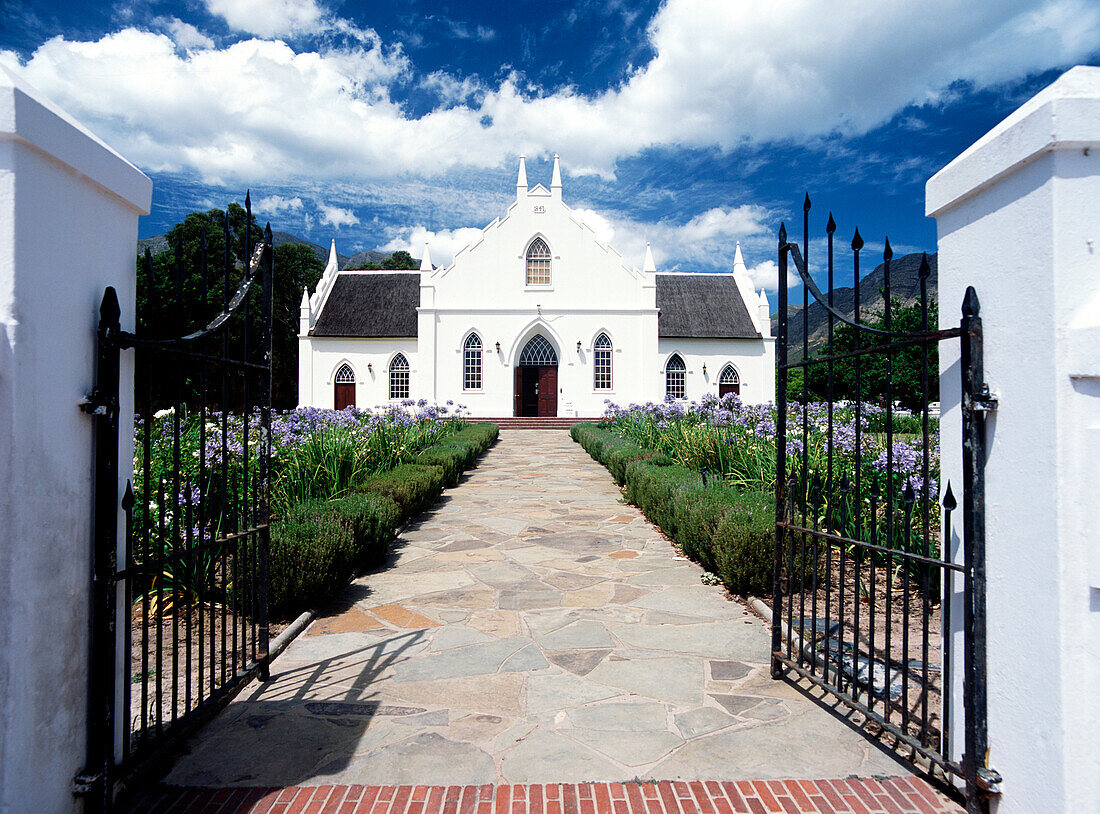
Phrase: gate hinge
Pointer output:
(983, 401)
(989, 780)
(95, 404)
(86, 782)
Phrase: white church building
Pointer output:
(535, 318)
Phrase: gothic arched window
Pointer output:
(538, 262)
(471, 363)
(675, 378)
(399, 377)
(601, 363)
(729, 382)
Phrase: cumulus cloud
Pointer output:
(276, 204)
(268, 18)
(443, 244)
(724, 73)
(766, 275)
(185, 34)
(336, 217)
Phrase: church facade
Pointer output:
(535, 317)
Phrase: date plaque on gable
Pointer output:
(540, 209)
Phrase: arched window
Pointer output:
(675, 378)
(344, 387)
(471, 363)
(538, 353)
(601, 363)
(729, 382)
(399, 377)
(538, 262)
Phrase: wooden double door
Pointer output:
(536, 390)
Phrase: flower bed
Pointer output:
(693, 467)
(340, 484)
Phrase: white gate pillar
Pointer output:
(69, 209)
(1018, 215)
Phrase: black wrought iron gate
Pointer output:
(180, 606)
(864, 583)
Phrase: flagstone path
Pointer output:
(530, 629)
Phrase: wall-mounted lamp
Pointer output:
(498, 347)
(578, 346)
(704, 368)
(370, 368)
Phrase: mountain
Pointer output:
(904, 286)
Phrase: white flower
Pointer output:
(164, 413)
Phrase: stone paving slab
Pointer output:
(889, 795)
(531, 628)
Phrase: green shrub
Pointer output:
(745, 544)
(373, 522)
(311, 557)
(612, 450)
(413, 487)
(317, 545)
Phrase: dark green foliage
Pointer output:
(319, 545)
(165, 309)
(612, 450)
(399, 260)
(728, 531)
(413, 487)
(905, 364)
(312, 556)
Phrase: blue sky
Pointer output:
(688, 123)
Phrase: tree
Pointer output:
(179, 296)
(902, 367)
(400, 259)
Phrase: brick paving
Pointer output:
(886, 795)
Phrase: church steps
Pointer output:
(534, 423)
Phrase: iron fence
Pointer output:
(862, 579)
(180, 617)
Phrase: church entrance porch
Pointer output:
(535, 390)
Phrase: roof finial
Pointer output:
(305, 298)
(649, 265)
(738, 260)
(426, 261)
(521, 181)
(332, 259)
(555, 179)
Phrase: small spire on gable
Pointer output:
(738, 260)
(763, 298)
(332, 259)
(521, 181)
(555, 179)
(649, 265)
(305, 299)
(426, 262)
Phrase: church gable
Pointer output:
(539, 253)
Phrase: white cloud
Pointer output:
(336, 217)
(443, 244)
(766, 275)
(185, 34)
(274, 204)
(724, 73)
(268, 18)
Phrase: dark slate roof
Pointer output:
(382, 305)
(702, 306)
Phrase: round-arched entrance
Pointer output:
(536, 379)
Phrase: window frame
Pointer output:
(472, 355)
(597, 352)
(340, 370)
(678, 374)
(394, 377)
(535, 243)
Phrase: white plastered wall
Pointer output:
(369, 359)
(53, 175)
(1017, 219)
